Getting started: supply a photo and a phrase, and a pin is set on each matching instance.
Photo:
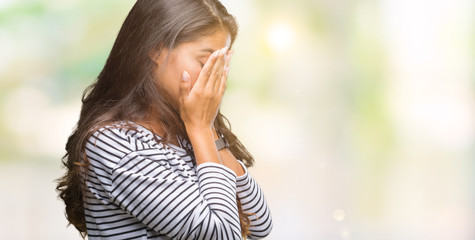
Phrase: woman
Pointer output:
(151, 156)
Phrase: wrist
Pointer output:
(204, 145)
(199, 132)
(194, 130)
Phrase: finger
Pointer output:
(217, 70)
(185, 87)
(206, 70)
(223, 71)
(229, 54)
(215, 77)
(228, 60)
(223, 84)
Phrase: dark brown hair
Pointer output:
(126, 89)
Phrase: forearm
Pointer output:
(203, 142)
(228, 159)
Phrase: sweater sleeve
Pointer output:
(148, 190)
(254, 203)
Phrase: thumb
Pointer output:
(185, 86)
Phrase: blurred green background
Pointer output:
(360, 114)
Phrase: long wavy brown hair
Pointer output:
(127, 90)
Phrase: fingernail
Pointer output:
(223, 50)
(185, 77)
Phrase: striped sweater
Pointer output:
(137, 188)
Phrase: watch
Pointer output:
(221, 143)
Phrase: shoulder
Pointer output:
(109, 143)
(125, 136)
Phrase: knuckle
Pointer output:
(208, 95)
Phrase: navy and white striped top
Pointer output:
(137, 188)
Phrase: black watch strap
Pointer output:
(221, 143)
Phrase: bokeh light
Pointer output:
(280, 36)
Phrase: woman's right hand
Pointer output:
(199, 104)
